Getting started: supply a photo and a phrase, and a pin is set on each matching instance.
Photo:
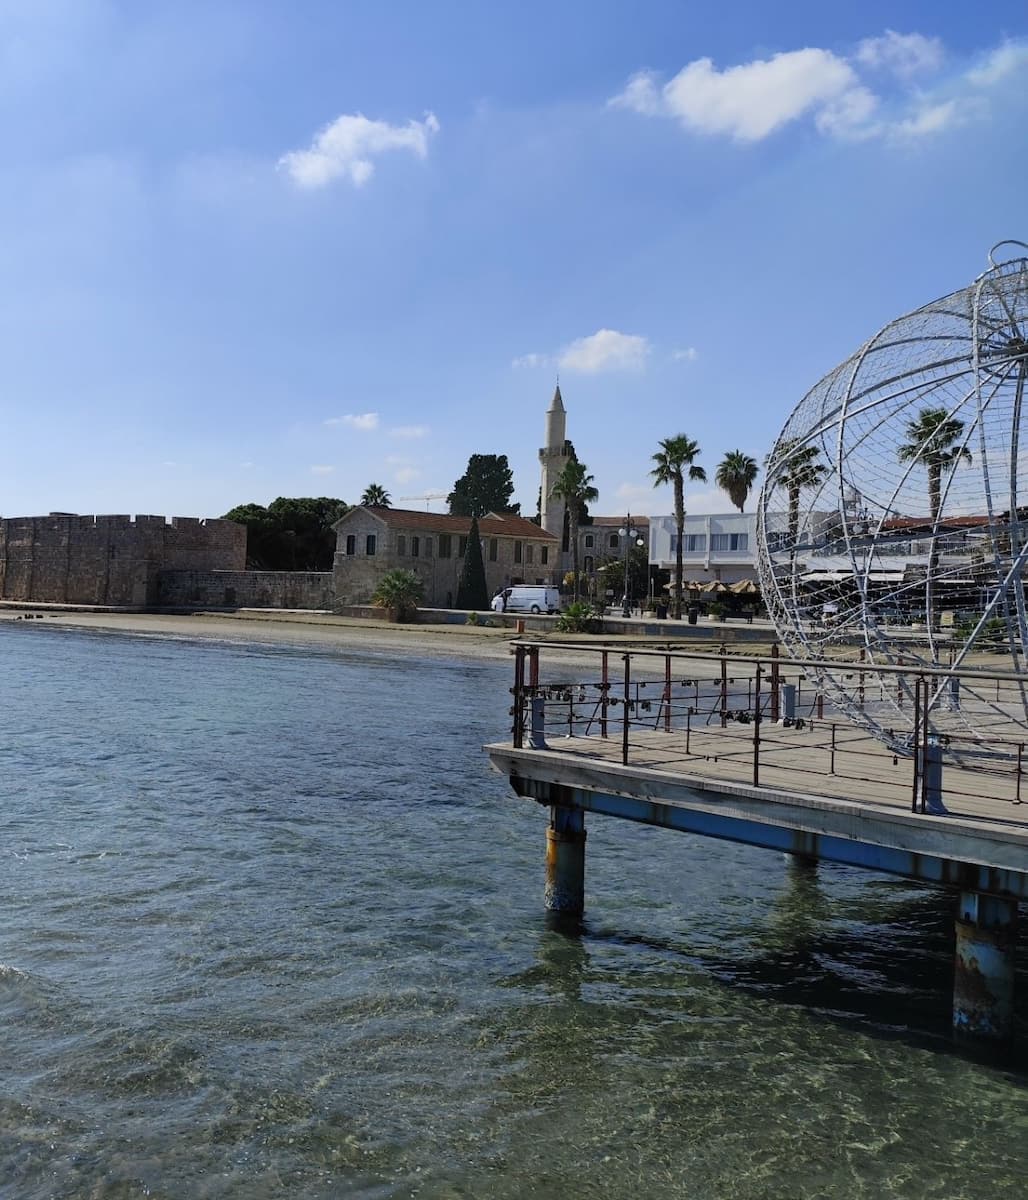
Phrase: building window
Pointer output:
(445, 545)
(730, 542)
(494, 549)
(351, 543)
(529, 553)
(517, 551)
(544, 555)
(462, 547)
(613, 541)
(415, 547)
(428, 547)
(370, 544)
(401, 545)
(587, 564)
(589, 540)
(695, 543)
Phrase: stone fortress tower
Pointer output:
(552, 458)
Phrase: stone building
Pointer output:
(64, 558)
(371, 541)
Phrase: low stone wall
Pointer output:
(245, 589)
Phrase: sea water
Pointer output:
(270, 927)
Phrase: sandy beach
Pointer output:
(312, 629)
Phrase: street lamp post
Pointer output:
(630, 537)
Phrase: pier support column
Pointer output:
(983, 980)
(565, 861)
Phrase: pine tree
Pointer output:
(472, 593)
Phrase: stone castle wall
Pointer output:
(64, 558)
(246, 589)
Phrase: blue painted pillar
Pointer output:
(565, 861)
(983, 980)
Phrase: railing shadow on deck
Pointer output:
(850, 721)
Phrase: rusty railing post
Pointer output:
(724, 689)
(624, 722)
(667, 693)
(756, 728)
(831, 763)
(518, 692)
(915, 739)
(604, 692)
(1020, 755)
(775, 714)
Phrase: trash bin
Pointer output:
(694, 613)
(661, 611)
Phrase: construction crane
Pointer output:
(427, 498)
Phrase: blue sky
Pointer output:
(258, 249)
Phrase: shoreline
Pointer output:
(327, 630)
(463, 641)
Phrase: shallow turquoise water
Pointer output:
(269, 926)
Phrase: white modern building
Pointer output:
(721, 546)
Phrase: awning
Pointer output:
(825, 576)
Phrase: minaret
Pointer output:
(552, 458)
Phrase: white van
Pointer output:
(532, 598)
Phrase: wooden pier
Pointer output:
(663, 738)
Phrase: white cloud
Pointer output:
(531, 360)
(640, 95)
(318, 469)
(348, 145)
(605, 350)
(932, 118)
(904, 54)
(406, 474)
(689, 354)
(1011, 56)
(365, 422)
(751, 101)
(746, 102)
(713, 500)
(639, 499)
(850, 115)
(410, 432)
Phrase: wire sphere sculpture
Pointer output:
(893, 520)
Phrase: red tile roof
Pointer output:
(894, 523)
(492, 526)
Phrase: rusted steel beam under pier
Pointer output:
(972, 856)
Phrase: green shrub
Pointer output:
(400, 592)
(579, 617)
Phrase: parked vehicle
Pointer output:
(532, 598)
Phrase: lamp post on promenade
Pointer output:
(630, 537)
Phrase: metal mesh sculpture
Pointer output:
(894, 514)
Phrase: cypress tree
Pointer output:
(471, 590)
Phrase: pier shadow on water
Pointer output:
(879, 963)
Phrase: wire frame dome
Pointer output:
(894, 513)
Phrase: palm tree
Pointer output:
(375, 496)
(675, 455)
(735, 475)
(400, 592)
(934, 435)
(574, 485)
(799, 469)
